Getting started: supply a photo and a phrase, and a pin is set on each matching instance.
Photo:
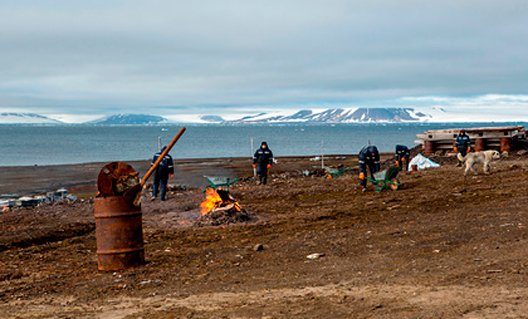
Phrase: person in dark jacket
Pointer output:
(402, 157)
(161, 176)
(368, 157)
(262, 161)
(462, 144)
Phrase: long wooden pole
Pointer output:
(160, 158)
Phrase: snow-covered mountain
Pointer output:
(26, 118)
(339, 115)
(130, 119)
(432, 114)
(331, 115)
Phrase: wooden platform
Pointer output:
(482, 138)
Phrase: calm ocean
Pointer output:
(44, 145)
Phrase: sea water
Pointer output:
(68, 144)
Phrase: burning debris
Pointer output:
(220, 208)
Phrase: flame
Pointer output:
(212, 200)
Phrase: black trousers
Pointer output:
(160, 184)
(400, 158)
(262, 172)
(372, 167)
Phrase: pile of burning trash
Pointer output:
(220, 208)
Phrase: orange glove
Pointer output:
(397, 164)
(362, 176)
(403, 159)
(455, 149)
(171, 175)
(269, 166)
(254, 165)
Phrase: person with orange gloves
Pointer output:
(262, 161)
(402, 157)
(368, 157)
(462, 144)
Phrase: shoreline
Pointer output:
(80, 179)
(176, 160)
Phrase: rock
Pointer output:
(494, 271)
(378, 306)
(315, 256)
(258, 247)
(522, 152)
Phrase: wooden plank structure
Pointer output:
(482, 138)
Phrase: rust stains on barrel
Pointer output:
(429, 147)
(480, 144)
(119, 232)
(505, 144)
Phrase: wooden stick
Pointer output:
(160, 158)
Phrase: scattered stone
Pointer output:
(494, 271)
(224, 217)
(378, 306)
(258, 247)
(315, 256)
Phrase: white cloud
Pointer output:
(137, 56)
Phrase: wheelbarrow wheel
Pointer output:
(395, 184)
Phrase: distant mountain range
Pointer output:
(330, 115)
(130, 119)
(339, 115)
(26, 118)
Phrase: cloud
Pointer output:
(100, 57)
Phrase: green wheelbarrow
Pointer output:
(386, 179)
(220, 182)
(333, 172)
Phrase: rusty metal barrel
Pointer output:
(480, 144)
(505, 145)
(118, 232)
(429, 147)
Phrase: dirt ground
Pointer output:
(440, 247)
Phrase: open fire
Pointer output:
(220, 208)
(219, 200)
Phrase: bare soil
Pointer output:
(443, 246)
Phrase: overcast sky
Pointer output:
(162, 57)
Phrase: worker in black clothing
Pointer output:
(161, 176)
(402, 157)
(368, 157)
(462, 144)
(262, 161)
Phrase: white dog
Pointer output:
(473, 159)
